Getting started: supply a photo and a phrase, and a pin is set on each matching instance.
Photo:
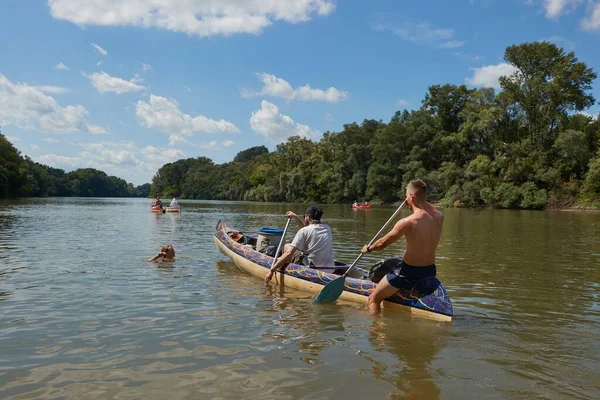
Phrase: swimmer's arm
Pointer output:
(156, 257)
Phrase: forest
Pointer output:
(527, 146)
(22, 177)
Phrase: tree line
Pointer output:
(22, 177)
(523, 147)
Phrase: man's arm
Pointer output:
(288, 253)
(396, 233)
(291, 214)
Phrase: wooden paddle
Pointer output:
(333, 290)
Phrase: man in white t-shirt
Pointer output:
(313, 242)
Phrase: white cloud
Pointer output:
(210, 145)
(97, 48)
(112, 156)
(278, 87)
(52, 89)
(63, 162)
(104, 83)
(452, 44)
(178, 140)
(554, 8)
(587, 114)
(187, 88)
(403, 103)
(276, 127)
(51, 140)
(422, 33)
(175, 140)
(194, 17)
(162, 155)
(488, 76)
(146, 67)
(99, 63)
(29, 108)
(35, 147)
(164, 114)
(96, 155)
(592, 21)
(122, 159)
(14, 139)
(61, 66)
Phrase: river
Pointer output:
(84, 315)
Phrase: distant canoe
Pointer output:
(368, 206)
(156, 209)
(427, 299)
(173, 209)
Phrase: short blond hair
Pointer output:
(418, 188)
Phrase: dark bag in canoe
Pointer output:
(382, 268)
(269, 251)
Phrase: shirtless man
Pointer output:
(423, 230)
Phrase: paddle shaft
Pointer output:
(375, 237)
(281, 242)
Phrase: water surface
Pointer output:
(83, 315)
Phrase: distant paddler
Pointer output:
(157, 203)
(422, 230)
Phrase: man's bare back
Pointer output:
(423, 231)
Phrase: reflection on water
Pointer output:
(84, 315)
(415, 346)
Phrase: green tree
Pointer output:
(447, 102)
(547, 84)
(250, 154)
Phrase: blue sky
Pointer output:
(128, 86)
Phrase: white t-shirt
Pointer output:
(174, 203)
(315, 242)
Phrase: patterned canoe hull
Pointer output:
(428, 298)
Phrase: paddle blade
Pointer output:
(331, 292)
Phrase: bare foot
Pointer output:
(374, 309)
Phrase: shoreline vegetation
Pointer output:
(22, 177)
(528, 146)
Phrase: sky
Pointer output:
(127, 86)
